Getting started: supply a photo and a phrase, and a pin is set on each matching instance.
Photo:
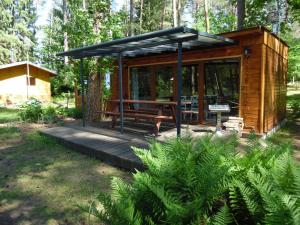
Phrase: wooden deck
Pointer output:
(109, 145)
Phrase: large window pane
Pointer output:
(164, 83)
(189, 80)
(140, 88)
(222, 84)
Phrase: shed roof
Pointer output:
(25, 63)
(153, 42)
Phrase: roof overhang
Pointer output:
(51, 72)
(150, 43)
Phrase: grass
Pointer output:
(43, 182)
(290, 132)
(8, 115)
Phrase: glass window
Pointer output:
(140, 85)
(189, 80)
(31, 81)
(222, 84)
(164, 83)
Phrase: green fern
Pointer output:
(205, 181)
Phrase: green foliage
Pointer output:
(204, 181)
(70, 112)
(294, 57)
(84, 26)
(295, 107)
(8, 115)
(17, 30)
(49, 114)
(34, 111)
(31, 111)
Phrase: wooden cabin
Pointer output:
(24, 80)
(250, 76)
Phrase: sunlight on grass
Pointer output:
(9, 133)
(8, 115)
(46, 181)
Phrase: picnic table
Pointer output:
(153, 113)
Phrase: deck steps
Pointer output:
(112, 148)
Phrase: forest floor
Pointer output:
(43, 182)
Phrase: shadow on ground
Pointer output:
(41, 182)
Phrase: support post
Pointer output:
(82, 92)
(120, 70)
(179, 89)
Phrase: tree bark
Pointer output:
(178, 12)
(83, 4)
(163, 15)
(131, 29)
(206, 16)
(65, 18)
(240, 14)
(175, 13)
(141, 15)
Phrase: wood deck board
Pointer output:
(110, 149)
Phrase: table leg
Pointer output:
(173, 111)
(218, 128)
(157, 123)
(114, 118)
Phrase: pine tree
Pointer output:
(17, 30)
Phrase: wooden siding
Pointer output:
(13, 85)
(275, 83)
(262, 74)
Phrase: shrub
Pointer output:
(49, 114)
(70, 112)
(204, 181)
(295, 107)
(34, 111)
(31, 110)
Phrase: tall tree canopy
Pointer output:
(74, 23)
(17, 30)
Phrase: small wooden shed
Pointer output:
(253, 72)
(24, 80)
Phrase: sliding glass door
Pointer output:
(140, 83)
(222, 84)
(190, 80)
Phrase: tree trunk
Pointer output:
(94, 96)
(83, 4)
(163, 15)
(141, 16)
(175, 13)
(240, 14)
(206, 16)
(65, 17)
(131, 29)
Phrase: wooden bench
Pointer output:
(142, 110)
(157, 119)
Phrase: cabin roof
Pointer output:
(252, 30)
(53, 73)
(153, 42)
